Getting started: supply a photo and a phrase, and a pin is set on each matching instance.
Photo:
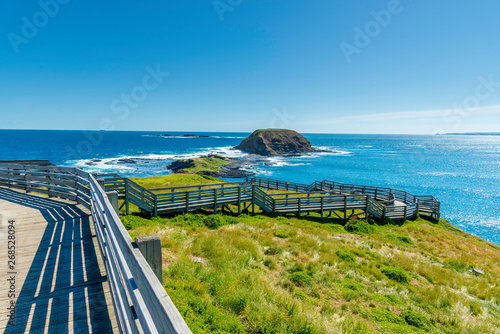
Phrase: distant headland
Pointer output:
(472, 134)
(187, 135)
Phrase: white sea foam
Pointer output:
(123, 163)
(133, 163)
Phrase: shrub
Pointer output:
(386, 221)
(353, 285)
(416, 319)
(238, 303)
(302, 296)
(270, 263)
(214, 221)
(274, 215)
(405, 239)
(297, 267)
(393, 299)
(200, 315)
(284, 234)
(283, 220)
(396, 274)
(131, 222)
(359, 227)
(402, 238)
(346, 255)
(273, 251)
(386, 316)
(300, 278)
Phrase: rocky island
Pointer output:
(276, 142)
(267, 142)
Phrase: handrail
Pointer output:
(414, 203)
(140, 302)
(177, 199)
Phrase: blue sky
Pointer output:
(406, 66)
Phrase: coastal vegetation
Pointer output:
(231, 273)
(212, 165)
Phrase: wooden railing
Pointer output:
(321, 196)
(381, 202)
(140, 302)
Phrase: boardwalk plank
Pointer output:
(61, 282)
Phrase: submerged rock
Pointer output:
(270, 142)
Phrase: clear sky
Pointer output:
(334, 66)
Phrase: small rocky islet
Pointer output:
(276, 142)
(265, 143)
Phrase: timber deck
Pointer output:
(60, 280)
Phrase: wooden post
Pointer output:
(150, 247)
(299, 211)
(50, 183)
(156, 204)
(345, 207)
(253, 199)
(187, 202)
(239, 199)
(321, 200)
(127, 211)
(215, 201)
(366, 210)
(113, 199)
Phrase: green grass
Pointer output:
(259, 274)
(396, 274)
(300, 278)
(212, 163)
(416, 319)
(174, 180)
(346, 255)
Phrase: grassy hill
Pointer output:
(257, 274)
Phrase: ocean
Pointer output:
(463, 172)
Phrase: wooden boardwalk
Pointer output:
(319, 196)
(60, 281)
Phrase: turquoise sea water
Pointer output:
(463, 172)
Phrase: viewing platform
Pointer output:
(59, 277)
(68, 264)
